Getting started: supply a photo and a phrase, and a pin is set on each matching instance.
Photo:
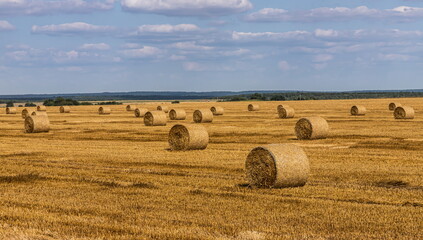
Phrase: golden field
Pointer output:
(111, 177)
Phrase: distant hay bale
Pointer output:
(131, 108)
(217, 110)
(286, 112)
(163, 108)
(177, 114)
(155, 118)
(280, 107)
(26, 112)
(38, 113)
(188, 137)
(11, 110)
(394, 105)
(277, 166)
(65, 109)
(312, 128)
(104, 110)
(358, 110)
(203, 116)
(41, 108)
(140, 112)
(404, 112)
(37, 124)
(253, 107)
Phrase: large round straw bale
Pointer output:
(11, 110)
(358, 110)
(394, 105)
(163, 108)
(253, 107)
(65, 109)
(131, 108)
(203, 116)
(26, 112)
(38, 113)
(280, 107)
(217, 110)
(286, 112)
(36, 124)
(188, 137)
(177, 114)
(104, 110)
(312, 128)
(155, 118)
(277, 166)
(140, 112)
(41, 108)
(404, 112)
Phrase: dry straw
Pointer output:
(280, 107)
(38, 113)
(177, 114)
(358, 110)
(404, 112)
(188, 137)
(26, 112)
(131, 108)
(11, 110)
(217, 110)
(41, 108)
(140, 112)
(277, 166)
(312, 128)
(163, 108)
(155, 118)
(286, 112)
(104, 110)
(394, 105)
(253, 107)
(65, 109)
(203, 116)
(36, 124)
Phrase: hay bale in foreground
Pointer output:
(188, 137)
(42, 108)
(253, 107)
(140, 112)
(404, 112)
(203, 116)
(358, 110)
(65, 109)
(312, 128)
(163, 108)
(217, 110)
(286, 112)
(155, 118)
(131, 108)
(11, 110)
(277, 166)
(26, 112)
(394, 105)
(177, 114)
(38, 113)
(37, 124)
(104, 110)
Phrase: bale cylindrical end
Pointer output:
(358, 110)
(177, 114)
(26, 112)
(41, 108)
(155, 118)
(253, 107)
(404, 112)
(131, 107)
(312, 128)
(394, 105)
(140, 112)
(163, 108)
(104, 110)
(11, 110)
(203, 116)
(286, 112)
(64, 109)
(188, 137)
(37, 124)
(217, 110)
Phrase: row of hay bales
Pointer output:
(400, 112)
(25, 111)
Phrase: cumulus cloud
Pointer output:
(95, 46)
(167, 28)
(206, 8)
(190, 46)
(6, 26)
(270, 36)
(144, 52)
(75, 28)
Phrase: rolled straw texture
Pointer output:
(41, 108)
(312, 128)
(358, 110)
(11, 110)
(65, 109)
(203, 116)
(163, 108)
(188, 137)
(286, 112)
(104, 110)
(37, 124)
(177, 114)
(404, 112)
(140, 112)
(394, 105)
(155, 118)
(217, 110)
(253, 107)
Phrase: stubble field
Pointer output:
(111, 177)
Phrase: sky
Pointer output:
(79, 46)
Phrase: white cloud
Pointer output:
(395, 57)
(167, 28)
(285, 66)
(144, 52)
(190, 46)
(187, 7)
(95, 46)
(72, 29)
(270, 36)
(6, 26)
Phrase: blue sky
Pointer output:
(65, 46)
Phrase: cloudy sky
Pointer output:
(64, 46)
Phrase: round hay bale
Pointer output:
(36, 124)
(41, 108)
(404, 112)
(131, 108)
(203, 116)
(394, 105)
(188, 137)
(26, 112)
(104, 110)
(253, 107)
(163, 108)
(140, 112)
(38, 113)
(177, 114)
(280, 107)
(312, 128)
(286, 112)
(277, 166)
(155, 118)
(65, 109)
(358, 110)
(11, 110)
(217, 110)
